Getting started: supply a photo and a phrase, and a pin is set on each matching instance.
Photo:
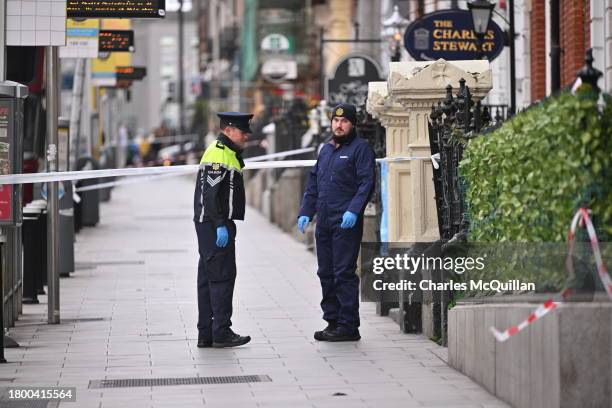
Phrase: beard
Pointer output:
(341, 136)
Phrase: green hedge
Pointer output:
(525, 180)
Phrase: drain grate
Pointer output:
(161, 382)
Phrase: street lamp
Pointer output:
(481, 16)
(393, 27)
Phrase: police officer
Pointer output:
(338, 189)
(219, 200)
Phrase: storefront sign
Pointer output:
(449, 34)
(277, 70)
(349, 83)
(81, 39)
(276, 43)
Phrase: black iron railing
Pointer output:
(452, 122)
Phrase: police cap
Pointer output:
(345, 110)
(238, 120)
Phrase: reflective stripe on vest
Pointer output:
(225, 157)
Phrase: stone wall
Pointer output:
(561, 360)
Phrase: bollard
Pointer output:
(87, 212)
(66, 233)
(41, 244)
(31, 254)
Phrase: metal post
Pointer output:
(216, 57)
(3, 262)
(52, 62)
(3, 266)
(512, 61)
(181, 96)
(2, 41)
(76, 110)
(480, 42)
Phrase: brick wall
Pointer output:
(537, 48)
(574, 41)
(575, 37)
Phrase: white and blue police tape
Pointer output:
(149, 171)
(280, 154)
(139, 179)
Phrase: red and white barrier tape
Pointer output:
(582, 217)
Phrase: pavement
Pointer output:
(129, 312)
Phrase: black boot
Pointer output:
(319, 335)
(204, 343)
(232, 340)
(342, 333)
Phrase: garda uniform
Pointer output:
(219, 199)
(342, 180)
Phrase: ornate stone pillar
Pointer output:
(403, 107)
(395, 118)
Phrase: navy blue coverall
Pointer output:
(343, 179)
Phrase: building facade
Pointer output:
(561, 32)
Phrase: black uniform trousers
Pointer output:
(216, 278)
(337, 252)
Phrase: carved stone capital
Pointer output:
(394, 121)
(426, 81)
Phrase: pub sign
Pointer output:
(449, 34)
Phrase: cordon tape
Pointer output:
(140, 179)
(159, 170)
(580, 218)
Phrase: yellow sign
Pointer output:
(116, 24)
(104, 71)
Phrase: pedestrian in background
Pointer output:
(338, 189)
(219, 200)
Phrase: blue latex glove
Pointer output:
(222, 236)
(303, 222)
(348, 220)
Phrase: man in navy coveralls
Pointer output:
(338, 189)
